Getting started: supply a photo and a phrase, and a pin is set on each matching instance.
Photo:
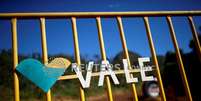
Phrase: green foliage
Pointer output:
(28, 90)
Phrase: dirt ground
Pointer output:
(117, 96)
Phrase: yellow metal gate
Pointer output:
(98, 16)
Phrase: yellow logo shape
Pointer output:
(59, 63)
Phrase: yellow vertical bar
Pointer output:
(195, 36)
(103, 54)
(15, 58)
(44, 50)
(77, 52)
(153, 53)
(126, 54)
(179, 59)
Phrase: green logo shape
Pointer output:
(42, 75)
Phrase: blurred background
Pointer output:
(60, 44)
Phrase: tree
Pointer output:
(172, 78)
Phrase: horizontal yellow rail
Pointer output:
(94, 74)
(92, 14)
